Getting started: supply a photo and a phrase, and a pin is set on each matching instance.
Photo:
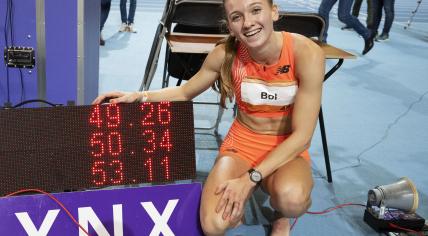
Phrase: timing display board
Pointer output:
(80, 147)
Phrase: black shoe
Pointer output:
(368, 44)
(102, 41)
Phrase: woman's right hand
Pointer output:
(118, 97)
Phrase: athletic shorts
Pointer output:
(252, 147)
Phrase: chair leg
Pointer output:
(325, 146)
(219, 115)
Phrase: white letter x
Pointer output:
(161, 221)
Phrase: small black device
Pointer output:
(19, 57)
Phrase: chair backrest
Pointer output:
(194, 16)
(307, 24)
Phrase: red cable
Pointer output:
(334, 208)
(292, 226)
(53, 198)
(406, 229)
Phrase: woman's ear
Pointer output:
(275, 12)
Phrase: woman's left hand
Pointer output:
(234, 192)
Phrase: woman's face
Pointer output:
(251, 21)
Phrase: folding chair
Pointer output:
(312, 26)
(187, 16)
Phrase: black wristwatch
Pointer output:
(255, 176)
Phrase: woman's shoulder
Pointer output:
(304, 47)
(215, 58)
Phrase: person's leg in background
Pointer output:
(324, 12)
(355, 12)
(370, 16)
(388, 5)
(105, 10)
(356, 8)
(132, 8)
(344, 14)
(377, 15)
(123, 17)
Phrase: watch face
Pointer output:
(256, 176)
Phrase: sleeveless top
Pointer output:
(265, 90)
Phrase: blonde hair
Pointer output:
(224, 84)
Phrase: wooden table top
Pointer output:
(204, 43)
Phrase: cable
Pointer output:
(406, 229)
(385, 135)
(55, 200)
(6, 45)
(36, 100)
(334, 208)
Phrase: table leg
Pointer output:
(322, 128)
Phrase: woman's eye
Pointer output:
(235, 18)
(256, 11)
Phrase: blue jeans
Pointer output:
(344, 13)
(132, 7)
(105, 9)
(388, 6)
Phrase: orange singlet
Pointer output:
(263, 91)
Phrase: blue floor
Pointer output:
(375, 109)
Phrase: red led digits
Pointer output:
(106, 145)
(115, 143)
(149, 166)
(99, 173)
(95, 117)
(118, 172)
(166, 141)
(147, 109)
(165, 163)
(113, 116)
(151, 138)
(97, 144)
(164, 114)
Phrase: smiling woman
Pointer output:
(276, 81)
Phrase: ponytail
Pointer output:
(224, 84)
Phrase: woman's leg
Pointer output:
(123, 11)
(290, 189)
(225, 168)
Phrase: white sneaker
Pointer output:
(131, 28)
(123, 27)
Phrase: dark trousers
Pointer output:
(344, 14)
(105, 10)
(370, 11)
(388, 6)
(132, 6)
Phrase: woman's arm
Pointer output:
(201, 81)
(309, 61)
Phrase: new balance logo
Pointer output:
(283, 69)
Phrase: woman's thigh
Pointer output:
(225, 168)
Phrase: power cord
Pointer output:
(389, 127)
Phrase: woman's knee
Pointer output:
(213, 224)
(292, 200)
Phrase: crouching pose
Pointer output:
(276, 80)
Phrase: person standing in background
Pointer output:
(105, 10)
(127, 19)
(344, 14)
(388, 6)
